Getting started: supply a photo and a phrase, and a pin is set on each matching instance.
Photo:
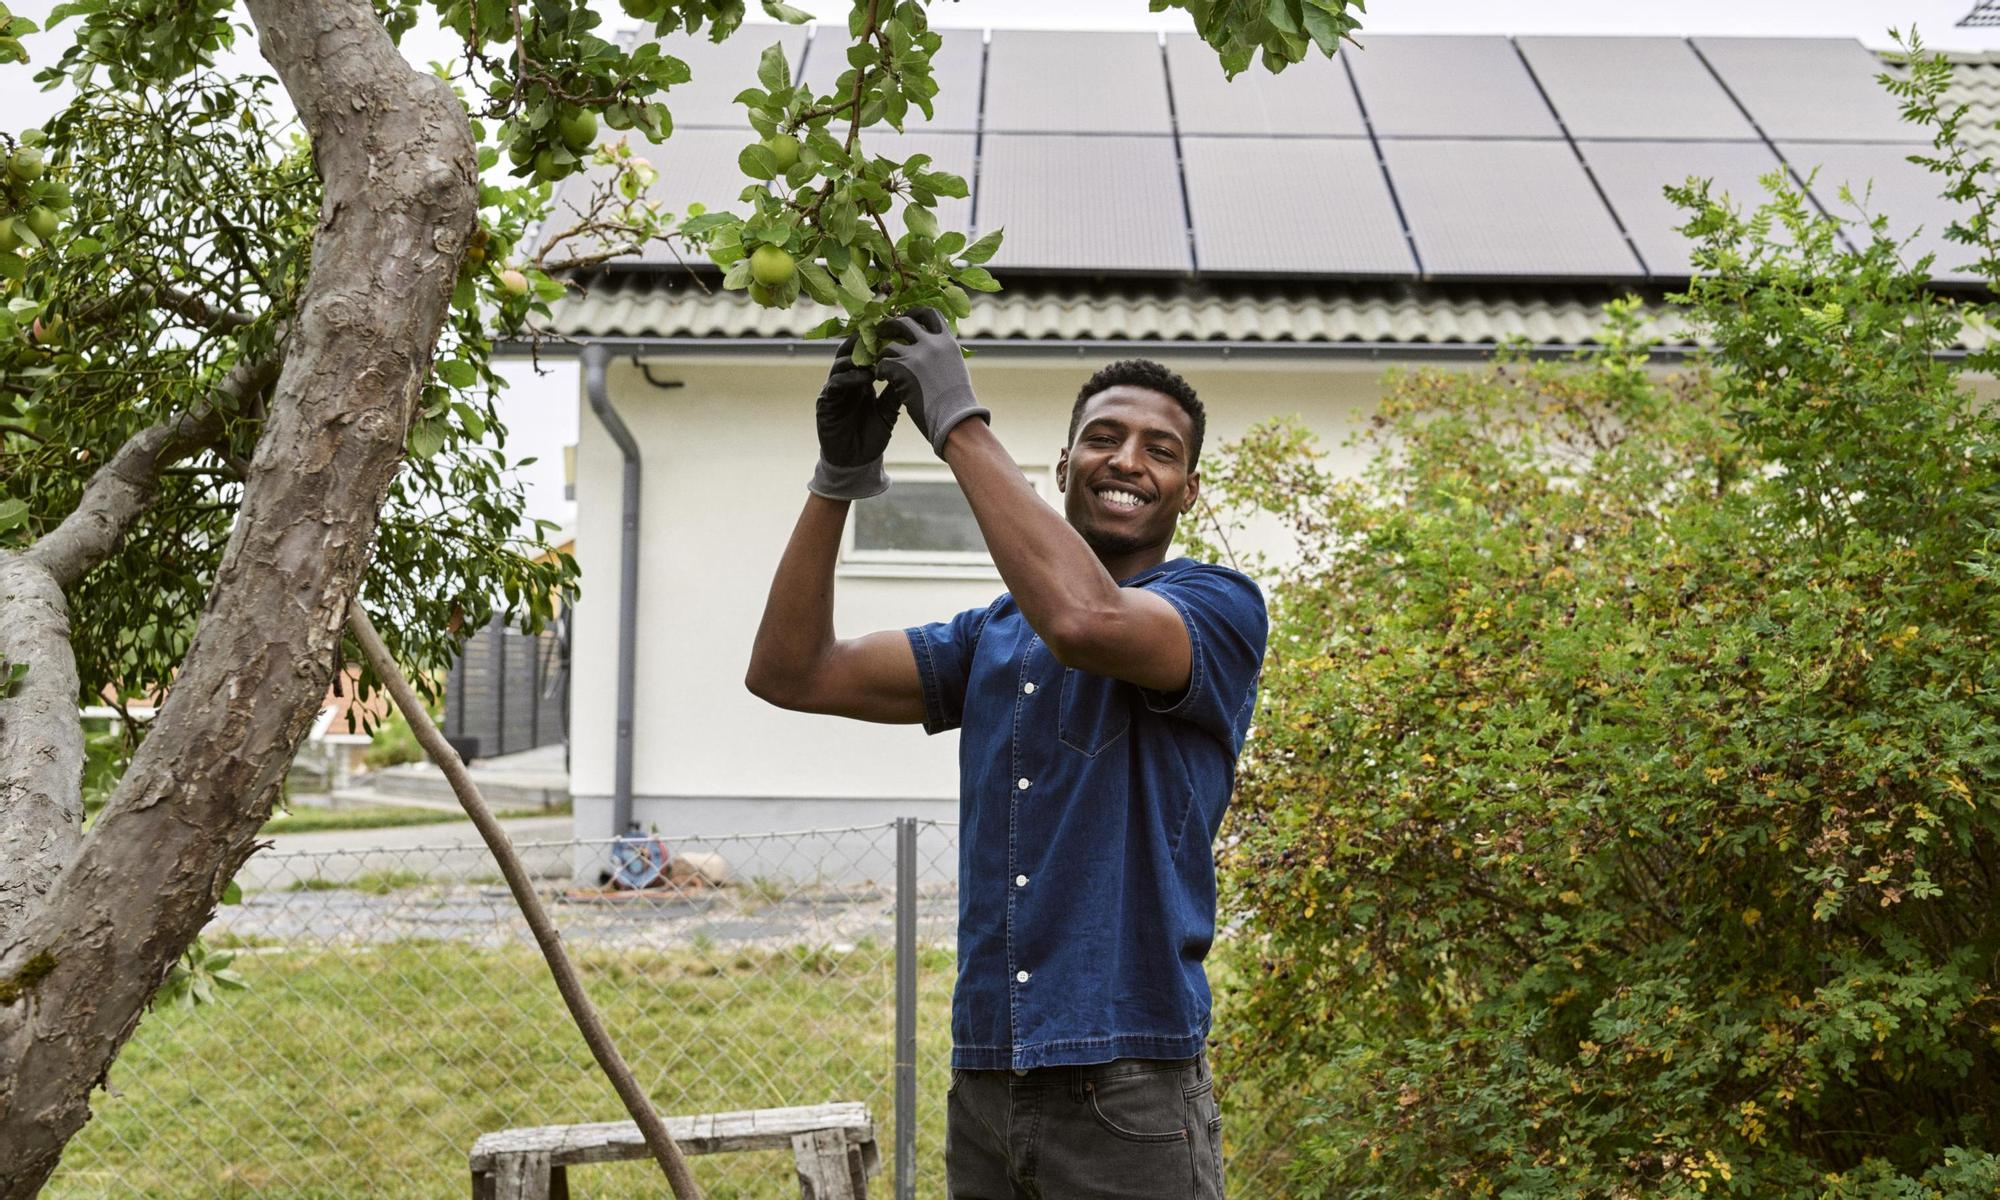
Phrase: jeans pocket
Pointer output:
(1139, 1108)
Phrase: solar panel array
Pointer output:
(1450, 158)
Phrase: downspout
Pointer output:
(596, 357)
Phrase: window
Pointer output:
(922, 525)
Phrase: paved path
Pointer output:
(451, 849)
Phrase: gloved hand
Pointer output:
(926, 374)
(854, 428)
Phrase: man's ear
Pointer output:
(1062, 470)
(1193, 491)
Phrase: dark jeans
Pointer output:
(1147, 1129)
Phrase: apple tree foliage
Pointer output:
(1624, 815)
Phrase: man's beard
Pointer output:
(1108, 543)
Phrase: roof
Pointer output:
(634, 306)
(1324, 311)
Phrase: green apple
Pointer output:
(546, 166)
(9, 239)
(579, 130)
(513, 282)
(772, 266)
(42, 222)
(784, 150)
(27, 164)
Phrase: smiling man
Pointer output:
(1103, 700)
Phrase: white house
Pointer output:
(1280, 242)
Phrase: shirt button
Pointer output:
(1022, 784)
(1020, 977)
(1028, 688)
(1020, 881)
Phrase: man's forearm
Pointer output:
(797, 629)
(1051, 571)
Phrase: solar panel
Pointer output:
(957, 66)
(1809, 89)
(1483, 209)
(721, 71)
(951, 152)
(1633, 175)
(1042, 81)
(1904, 191)
(1633, 87)
(1292, 206)
(1425, 85)
(1310, 97)
(1084, 203)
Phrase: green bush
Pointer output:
(1624, 813)
(393, 742)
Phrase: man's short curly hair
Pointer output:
(1145, 373)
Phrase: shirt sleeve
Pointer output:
(1227, 628)
(944, 663)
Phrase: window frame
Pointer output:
(924, 564)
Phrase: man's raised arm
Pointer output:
(796, 662)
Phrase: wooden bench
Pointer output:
(832, 1145)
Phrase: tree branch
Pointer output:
(580, 1010)
(41, 740)
(124, 486)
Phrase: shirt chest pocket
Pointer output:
(1096, 711)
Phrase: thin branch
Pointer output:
(123, 487)
(854, 121)
(580, 1010)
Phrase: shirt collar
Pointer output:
(1154, 572)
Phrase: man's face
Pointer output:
(1130, 441)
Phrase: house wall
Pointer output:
(726, 457)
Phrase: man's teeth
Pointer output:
(1121, 499)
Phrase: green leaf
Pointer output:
(779, 11)
(773, 71)
(457, 373)
(983, 249)
(979, 279)
(12, 514)
(817, 283)
(944, 183)
(426, 438)
(855, 283)
(232, 893)
(757, 162)
(920, 221)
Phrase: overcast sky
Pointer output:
(542, 412)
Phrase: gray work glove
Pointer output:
(854, 428)
(926, 374)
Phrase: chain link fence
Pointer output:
(394, 1007)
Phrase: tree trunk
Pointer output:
(395, 153)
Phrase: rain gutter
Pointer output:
(596, 357)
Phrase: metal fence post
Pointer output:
(906, 1008)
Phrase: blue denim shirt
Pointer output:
(1088, 807)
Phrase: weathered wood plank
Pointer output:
(824, 1167)
(711, 1133)
(522, 1176)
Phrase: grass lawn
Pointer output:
(383, 816)
(370, 1070)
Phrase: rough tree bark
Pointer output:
(84, 951)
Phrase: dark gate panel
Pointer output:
(507, 692)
